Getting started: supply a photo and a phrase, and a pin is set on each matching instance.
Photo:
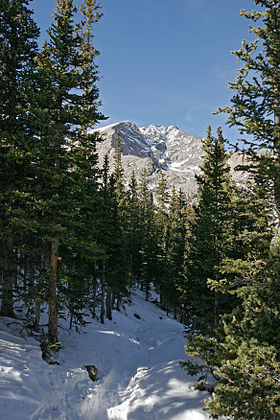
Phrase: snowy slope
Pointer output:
(139, 375)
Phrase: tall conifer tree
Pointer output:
(18, 48)
(255, 106)
(134, 235)
(163, 236)
(248, 355)
(208, 234)
(148, 235)
(121, 269)
(66, 106)
(180, 216)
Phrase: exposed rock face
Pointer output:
(159, 149)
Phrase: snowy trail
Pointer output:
(139, 375)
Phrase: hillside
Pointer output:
(139, 376)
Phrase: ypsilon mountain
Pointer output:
(159, 149)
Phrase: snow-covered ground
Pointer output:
(139, 375)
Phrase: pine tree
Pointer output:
(257, 92)
(206, 245)
(118, 174)
(163, 235)
(18, 47)
(83, 248)
(231, 228)
(66, 107)
(91, 14)
(119, 254)
(148, 235)
(109, 240)
(109, 236)
(246, 357)
(180, 216)
(247, 242)
(134, 227)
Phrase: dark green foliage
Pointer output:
(134, 230)
(49, 205)
(120, 268)
(242, 247)
(179, 218)
(255, 107)
(18, 48)
(245, 358)
(248, 357)
(65, 109)
(207, 242)
(148, 235)
(163, 234)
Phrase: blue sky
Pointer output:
(165, 62)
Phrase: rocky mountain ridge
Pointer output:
(159, 149)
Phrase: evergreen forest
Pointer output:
(77, 238)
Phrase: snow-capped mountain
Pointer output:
(158, 149)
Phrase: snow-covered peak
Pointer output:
(116, 126)
(156, 148)
(167, 134)
(160, 132)
(107, 127)
(163, 129)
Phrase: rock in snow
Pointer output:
(92, 372)
(139, 373)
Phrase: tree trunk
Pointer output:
(8, 281)
(37, 311)
(93, 306)
(29, 284)
(175, 310)
(147, 289)
(38, 297)
(102, 307)
(118, 302)
(109, 304)
(52, 325)
(277, 176)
